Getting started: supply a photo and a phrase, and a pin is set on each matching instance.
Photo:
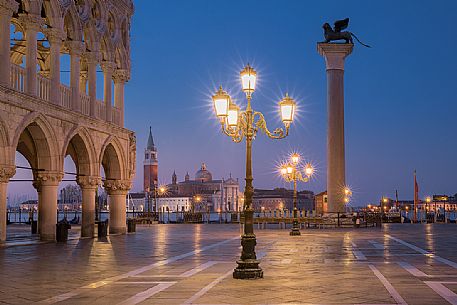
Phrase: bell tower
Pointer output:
(150, 165)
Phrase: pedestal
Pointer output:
(334, 55)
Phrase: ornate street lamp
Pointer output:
(291, 172)
(245, 124)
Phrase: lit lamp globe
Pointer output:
(290, 169)
(287, 107)
(221, 101)
(309, 170)
(248, 79)
(232, 116)
(295, 158)
(283, 171)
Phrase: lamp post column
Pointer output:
(248, 265)
(295, 229)
(334, 55)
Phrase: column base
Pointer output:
(295, 232)
(248, 269)
(114, 230)
(47, 237)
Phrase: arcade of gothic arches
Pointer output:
(46, 120)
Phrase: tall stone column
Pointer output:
(120, 78)
(55, 38)
(83, 82)
(92, 59)
(335, 55)
(5, 175)
(76, 48)
(7, 7)
(47, 182)
(32, 24)
(117, 191)
(108, 70)
(88, 186)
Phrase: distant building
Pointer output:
(206, 193)
(70, 197)
(150, 165)
(281, 198)
(321, 203)
(174, 204)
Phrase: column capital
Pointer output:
(121, 76)
(108, 66)
(334, 54)
(83, 74)
(31, 21)
(8, 7)
(6, 173)
(114, 187)
(92, 57)
(75, 47)
(89, 182)
(47, 178)
(54, 36)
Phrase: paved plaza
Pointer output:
(193, 264)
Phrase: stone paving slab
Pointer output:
(193, 264)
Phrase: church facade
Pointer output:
(206, 193)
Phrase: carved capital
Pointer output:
(6, 173)
(83, 74)
(121, 76)
(47, 178)
(334, 54)
(92, 57)
(89, 182)
(108, 66)
(75, 47)
(55, 36)
(31, 22)
(117, 186)
(8, 7)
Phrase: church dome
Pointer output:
(203, 174)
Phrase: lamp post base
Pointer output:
(295, 231)
(248, 269)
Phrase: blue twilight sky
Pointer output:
(400, 104)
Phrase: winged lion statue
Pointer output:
(336, 33)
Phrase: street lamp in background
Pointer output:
(428, 200)
(244, 124)
(291, 172)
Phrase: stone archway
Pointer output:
(116, 185)
(36, 141)
(81, 150)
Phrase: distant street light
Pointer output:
(245, 124)
(291, 172)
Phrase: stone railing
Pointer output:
(17, 78)
(116, 115)
(85, 103)
(101, 112)
(44, 92)
(65, 96)
(44, 87)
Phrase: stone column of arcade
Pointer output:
(88, 185)
(47, 184)
(120, 78)
(55, 38)
(335, 54)
(6, 12)
(91, 59)
(108, 70)
(76, 48)
(117, 192)
(5, 175)
(32, 24)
